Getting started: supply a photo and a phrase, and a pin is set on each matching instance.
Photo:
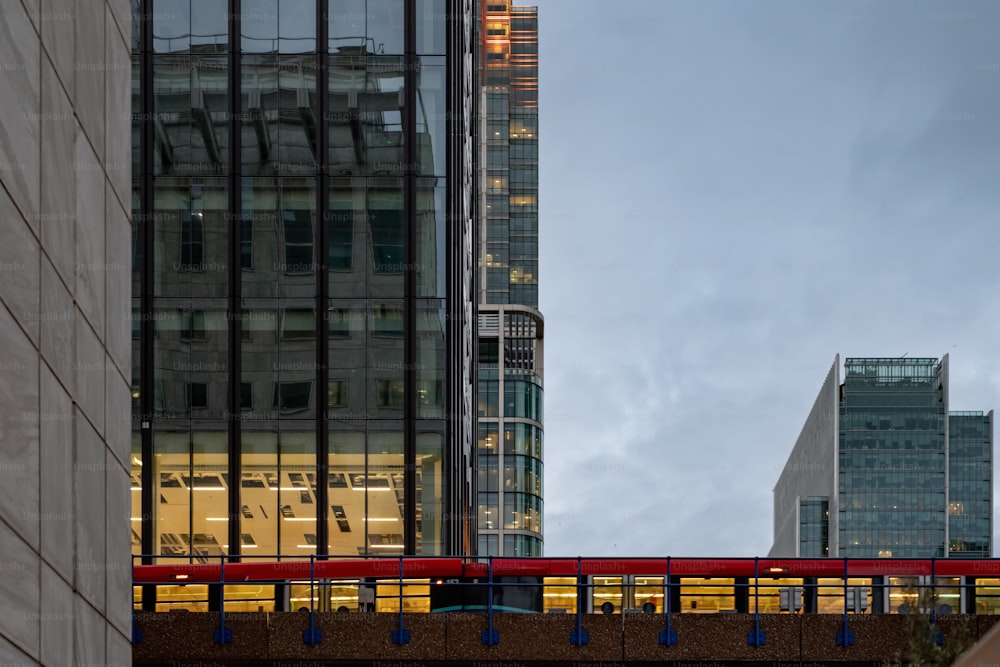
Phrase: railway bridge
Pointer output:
(409, 611)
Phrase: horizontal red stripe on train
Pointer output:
(413, 568)
(424, 568)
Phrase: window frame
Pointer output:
(278, 396)
(193, 228)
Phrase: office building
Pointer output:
(883, 468)
(303, 278)
(510, 324)
(65, 581)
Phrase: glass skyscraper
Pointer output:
(883, 469)
(510, 325)
(303, 277)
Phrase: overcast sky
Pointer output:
(732, 193)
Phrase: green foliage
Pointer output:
(922, 649)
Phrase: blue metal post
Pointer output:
(222, 635)
(845, 637)
(401, 635)
(668, 637)
(490, 637)
(756, 636)
(579, 637)
(312, 634)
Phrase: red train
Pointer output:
(611, 585)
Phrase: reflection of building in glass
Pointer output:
(510, 324)
(883, 469)
(303, 278)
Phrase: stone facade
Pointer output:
(65, 177)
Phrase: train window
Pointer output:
(249, 597)
(326, 596)
(903, 594)
(830, 594)
(707, 595)
(193, 597)
(987, 596)
(559, 595)
(648, 589)
(948, 591)
(416, 596)
(769, 594)
(608, 589)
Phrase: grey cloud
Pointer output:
(731, 193)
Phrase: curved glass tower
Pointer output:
(510, 324)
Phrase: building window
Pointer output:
(246, 332)
(246, 396)
(192, 325)
(519, 353)
(192, 242)
(158, 392)
(340, 322)
(298, 324)
(489, 398)
(387, 240)
(387, 321)
(341, 238)
(430, 393)
(488, 545)
(390, 393)
(341, 517)
(196, 395)
(336, 393)
(489, 353)
(291, 396)
(298, 241)
(246, 243)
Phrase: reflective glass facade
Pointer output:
(303, 277)
(970, 487)
(814, 531)
(912, 479)
(892, 462)
(510, 324)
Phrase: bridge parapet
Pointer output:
(456, 638)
